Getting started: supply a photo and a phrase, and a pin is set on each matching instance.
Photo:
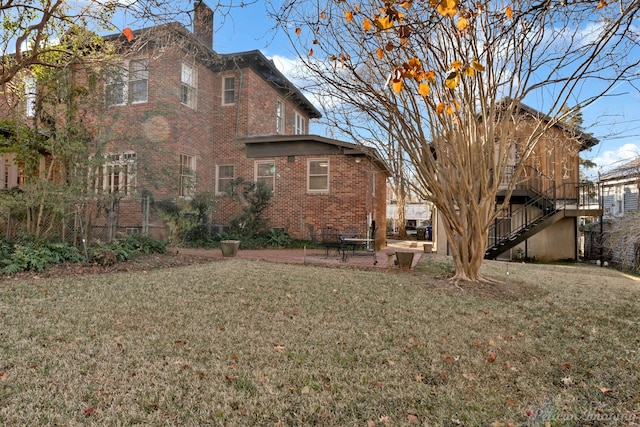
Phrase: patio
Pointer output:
(359, 259)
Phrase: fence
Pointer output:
(78, 221)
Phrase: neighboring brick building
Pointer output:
(183, 119)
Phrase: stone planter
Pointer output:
(405, 259)
(229, 248)
(427, 248)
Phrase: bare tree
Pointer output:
(30, 30)
(447, 80)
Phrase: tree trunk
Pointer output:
(468, 239)
(402, 220)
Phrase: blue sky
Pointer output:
(614, 120)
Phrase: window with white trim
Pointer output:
(118, 173)
(187, 175)
(228, 90)
(318, 175)
(279, 116)
(189, 80)
(298, 124)
(225, 174)
(265, 172)
(129, 83)
(30, 96)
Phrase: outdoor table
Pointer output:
(353, 242)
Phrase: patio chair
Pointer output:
(312, 234)
(330, 239)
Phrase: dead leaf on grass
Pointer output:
(606, 389)
(492, 357)
(567, 381)
(278, 347)
(384, 419)
(566, 366)
(89, 411)
(371, 423)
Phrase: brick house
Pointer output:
(541, 220)
(183, 119)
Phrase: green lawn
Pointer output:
(242, 343)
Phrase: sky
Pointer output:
(614, 120)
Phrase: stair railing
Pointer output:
(536, 209)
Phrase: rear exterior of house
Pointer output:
(541, 220)
(182, 119)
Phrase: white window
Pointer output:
(298, 125)
(224, 176)
(30, 96)
(279, 116)
(265, 171)
(118, 173)
(228, 90)
(318, 175)
(187, 175)
(129, 84)
(189, 79)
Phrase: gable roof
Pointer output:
(265, 68)
(217, 62)
(586, 140)
(627, 170)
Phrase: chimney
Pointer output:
(203, 23)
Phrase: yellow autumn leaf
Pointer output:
(383, 23)
(470, 72)
(602, 4)
(430, 75)
(397, 85)
(367, 25)
(448, 7)
(348, 16)
(406, 4)
(380, 53)
(452, 81)
(440, 108)
(414, 63)
(424, 89)
(456, 65)
(509, 12)
(462, 24)
(298, 31)
(477, 66)
(449, 110)
(310, 52)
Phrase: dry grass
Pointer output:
(241, 343)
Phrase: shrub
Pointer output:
(279, 239)
(35, 256)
